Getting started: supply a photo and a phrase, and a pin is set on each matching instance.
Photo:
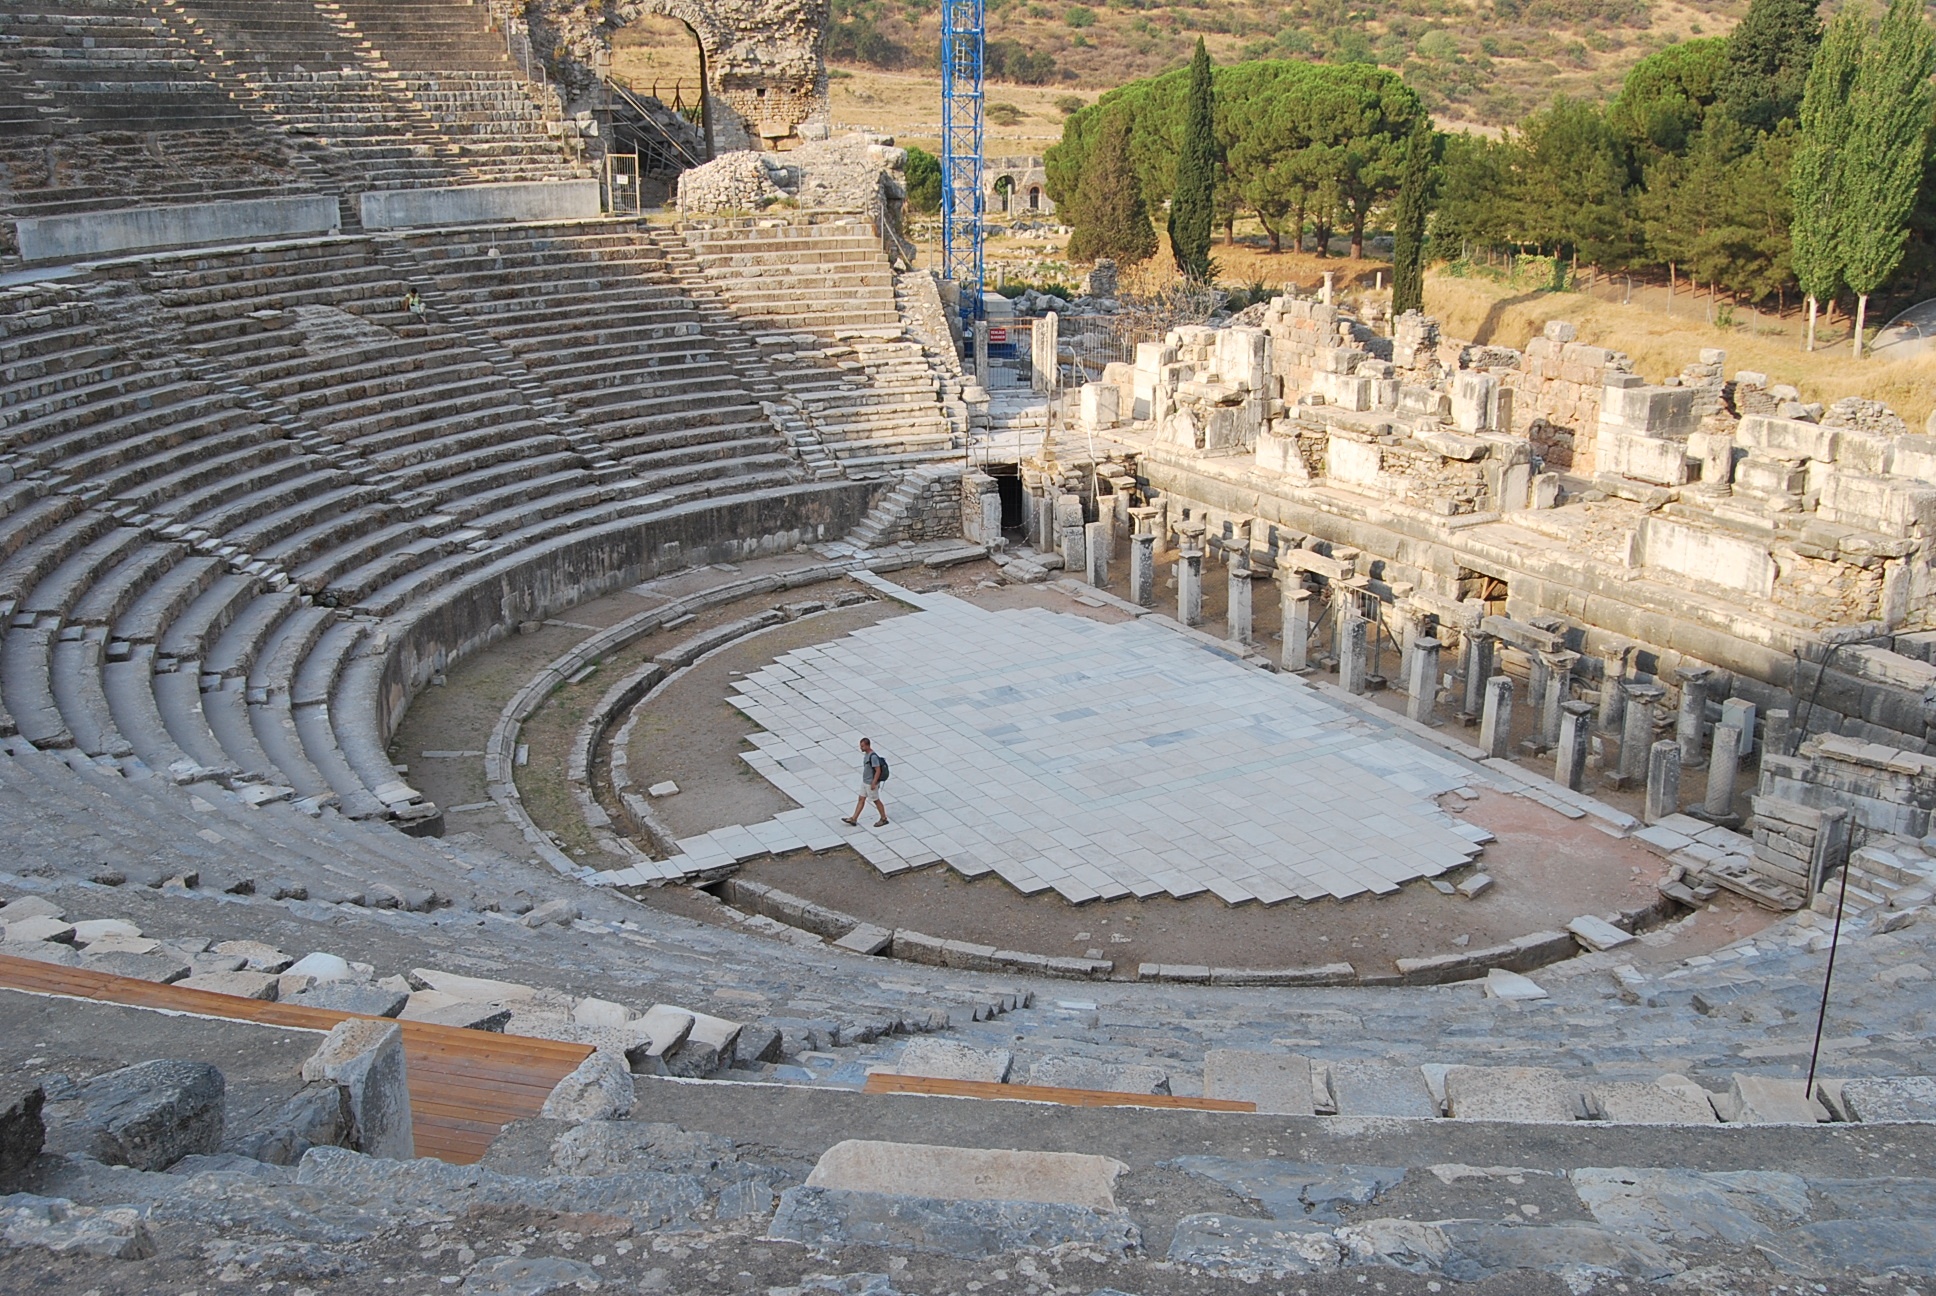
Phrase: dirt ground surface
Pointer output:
(691, 734)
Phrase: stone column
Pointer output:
(1411, 627)
(1495, 728)
(1075, 553)
(1775, 732)
(1539, 676)
(1324, 293)
(1663, 781)
(1297, 625)
(1636, 732)
(1478, 669)
(1351, 653)
(1424, 681)
(1041, 513)
(1189, 576)
(1615, 664)
(981, 352)
(1095, 538)
(1559, 682)
(1237, 619)
(1739, 714)
(1693, 712)
(1723, 763)
(1576, 726)
(1045, 372)
(1142, 569)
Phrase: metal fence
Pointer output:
(1088, 344)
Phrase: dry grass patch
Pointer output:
(1483, 311)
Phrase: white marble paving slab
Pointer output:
(1097, 759)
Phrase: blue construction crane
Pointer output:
(963, 34)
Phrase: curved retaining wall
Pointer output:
(530, 587)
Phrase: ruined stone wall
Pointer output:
(478, 612)
(1556, 395)
(1407, 473)
(765, 78)
(1695, 521)
(1840, 592)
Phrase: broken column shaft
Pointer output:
(1576, 725)
(1495, 725)
(1424, 682)
(1663, 781)
(1693, 711)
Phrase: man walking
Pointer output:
(873, 772)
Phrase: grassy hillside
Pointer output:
(1481, 62)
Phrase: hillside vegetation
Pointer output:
(1484, 62)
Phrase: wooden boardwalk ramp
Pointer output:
(465, 1085)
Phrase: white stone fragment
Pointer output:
(1501, 984)
(1598, 933)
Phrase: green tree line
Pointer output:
(1293, 143)
(1780, 161)
(1787, 160)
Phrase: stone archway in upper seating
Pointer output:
(766, 79)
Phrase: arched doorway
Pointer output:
(660, 57)
(1005, 194)
(1035, 198)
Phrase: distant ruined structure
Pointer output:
(765, 78)
(1710, 538)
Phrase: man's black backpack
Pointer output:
(880, 763)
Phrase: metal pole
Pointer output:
(1828, 975)
(963, 202)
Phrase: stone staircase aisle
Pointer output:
(819, 300)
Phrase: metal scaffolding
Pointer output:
(963, 33)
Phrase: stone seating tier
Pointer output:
(429, 35)
(112, 64)
(276, 35)
(312, 457)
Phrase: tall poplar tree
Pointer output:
(1193, 203)
(1888, 134)
(1408, 235)
(1816, 182)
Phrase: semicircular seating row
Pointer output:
(106, 103)
(232, 479)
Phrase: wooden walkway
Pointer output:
(465, 1085)
(883, 1083)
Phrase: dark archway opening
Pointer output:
(660, 112)
(1008, 484)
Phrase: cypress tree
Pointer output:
(1816, 180)
(1415, 183)
(1193, 203)
(1888, 133)
(1768, 57)
(1112, 220)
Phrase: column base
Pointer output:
(1719, 821)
